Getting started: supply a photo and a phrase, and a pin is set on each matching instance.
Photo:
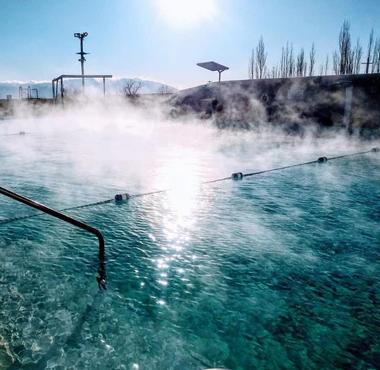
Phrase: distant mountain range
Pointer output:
(114, 86)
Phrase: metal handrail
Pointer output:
(101, 278)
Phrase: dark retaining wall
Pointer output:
(349, 102)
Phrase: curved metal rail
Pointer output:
(101, 278)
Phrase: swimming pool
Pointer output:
(275, 271)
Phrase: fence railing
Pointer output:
(101, 278)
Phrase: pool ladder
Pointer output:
(101, 278)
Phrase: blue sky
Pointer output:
(143, 38)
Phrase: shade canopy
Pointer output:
(212, 66)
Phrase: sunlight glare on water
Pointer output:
(275, 271)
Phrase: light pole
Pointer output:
(82, 59)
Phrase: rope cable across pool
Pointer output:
(235, 176)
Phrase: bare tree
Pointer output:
(283, 67)
(300, 68)
(251, 65)
(287, 61)
(261, 59)
(369, 52)
(312, 60)
(345, 54)
(357, 56)
(324, 67)
(274, 73)
(376, 57)
(164, 90)
(132, 88)
(336, 63)
(291, 62)
(346, 60)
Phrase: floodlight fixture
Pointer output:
(213, 66)
(80, 35)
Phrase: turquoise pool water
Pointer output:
(279, 271)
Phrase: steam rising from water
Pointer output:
(235, 274)
(121, 147)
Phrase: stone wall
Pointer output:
(349, 102)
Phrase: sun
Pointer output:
(187, 12)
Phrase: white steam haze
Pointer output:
(89, 151)
(114, 86)
(105, 147)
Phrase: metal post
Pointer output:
(347, 121)
(82, 59)
(104, 86)
(367, 63)
(62, 88)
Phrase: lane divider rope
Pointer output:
(20, 133)
(118, 198)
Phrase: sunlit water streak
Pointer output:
(276, 271)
